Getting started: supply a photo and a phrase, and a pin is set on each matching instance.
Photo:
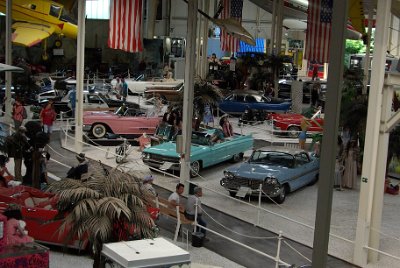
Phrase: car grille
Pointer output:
(162, 158)
(237, 182)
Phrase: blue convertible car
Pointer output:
(238, 101)
(205, 150)
(279, 170)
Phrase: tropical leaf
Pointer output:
(72, 196)
(113, 208)
(61, 185)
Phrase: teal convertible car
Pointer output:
(205, 151)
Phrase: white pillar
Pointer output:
(273, 27)
(151, 18)
(188, 91)
(203, 58)
(372, 134)
(8, 47)
(367, 61)
(80, 67)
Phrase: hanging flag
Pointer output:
(125, 25)
(232, 9)
(319, 19)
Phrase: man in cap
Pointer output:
(82, 168)
(147, 186)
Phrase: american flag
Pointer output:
(126, 25)
(232, 9)
(318, 30)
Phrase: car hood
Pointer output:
(169, 149)
(288, 116)
(256, 171)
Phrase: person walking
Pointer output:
(47, 117)
(193, 206)
(175, 198)
(124, 90)
(18, 114)
(20, 146)
(304, 125)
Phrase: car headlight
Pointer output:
(146, 155)
(228, 175)
(271, 180)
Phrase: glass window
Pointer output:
(94, 99)
(55, 11)
(302, 159)
(239, 98)
(99, 9)
(250, 98)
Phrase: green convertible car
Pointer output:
(205, 151)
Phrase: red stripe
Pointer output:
(129, 29)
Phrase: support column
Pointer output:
(80, 67)
(8, 75)
(380, 174)
(372, 134)
(203, 58)
(151, 18)
(329, 141)
(279, 28)
(367, 61)
(188, 91)
(273, 27)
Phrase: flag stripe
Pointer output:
(318, 30)
(232, 9)
(125, 25)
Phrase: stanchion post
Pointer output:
(259, 204)
(195, 216)
(278, 250)
(66, 133)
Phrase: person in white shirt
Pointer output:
(174, 198)
(194, 201)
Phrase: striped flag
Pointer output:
(318, 30)
(125, 25)
(232, 9)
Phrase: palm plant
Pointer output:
(104, 207)
(205, 93)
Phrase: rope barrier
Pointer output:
(295, 250)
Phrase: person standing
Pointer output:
(20, 147)
(18, 113)
(193, 205)
(349, 179)
(72, 101)
(226, 126)
(208, 115)
(175, 198)
(315, 91)
(47, 117)
(304, 125)
(124, 89)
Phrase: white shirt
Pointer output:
(174, 196)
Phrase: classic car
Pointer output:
(92, 101)
(203, 152)
(279, 171)
(238, 101)
(289, 124)
(285, 89)
(139, 84)
(130, 123)
(38, 211)
(166, 92)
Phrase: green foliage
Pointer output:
(353, 47)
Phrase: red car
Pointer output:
(289, 124)
(39, 210)
(129, 123)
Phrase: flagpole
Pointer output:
(329, 142)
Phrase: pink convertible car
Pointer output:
(129, 123)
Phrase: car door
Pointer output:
(136, 125)
(304, 171)
(252, 102)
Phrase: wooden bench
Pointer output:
(173, 212)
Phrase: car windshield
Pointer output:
(272, 158)
(200, 138)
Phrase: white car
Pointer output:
(138, 85)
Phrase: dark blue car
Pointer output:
(238, 101)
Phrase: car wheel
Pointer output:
(293, 132)
(195, 169)
(99, 131)
(237, 157)
(282, 196)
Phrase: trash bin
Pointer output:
(197, 239)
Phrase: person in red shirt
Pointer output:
(47, 117)
(18, 113)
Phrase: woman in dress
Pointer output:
(349, 179)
